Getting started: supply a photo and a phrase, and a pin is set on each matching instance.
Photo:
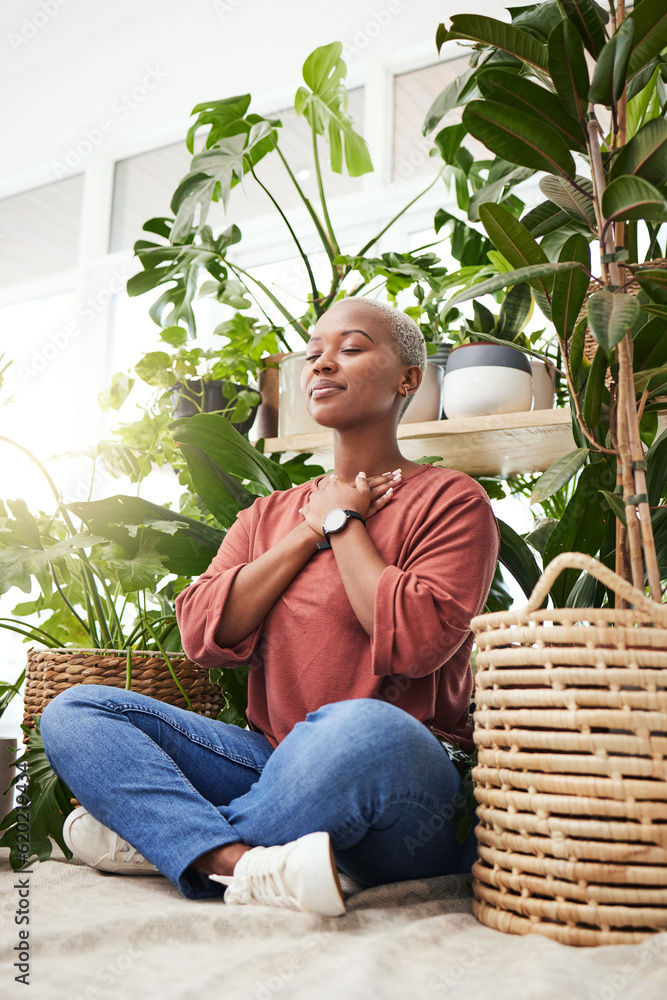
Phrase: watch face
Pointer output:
(335, 520)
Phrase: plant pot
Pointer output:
(483, 378)
(268, 385)
(189, 398)
(571, 781)
(294, 417)
(50, 671)
(7, 758)
(544, 384)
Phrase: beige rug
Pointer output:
(113, 937)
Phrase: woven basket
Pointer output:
(50, 671)
(571, 780)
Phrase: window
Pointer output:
(39, 231)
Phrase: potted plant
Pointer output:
(8, 692)
(558, 83)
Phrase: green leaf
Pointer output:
(610, 316)
(576, 201)
(516, 556)
(582, 527)
(230, 450)
(646, 153)
(518, 137)
(584, 16)
(568, 70)
(509, 278)
(612, 66)
(570, 287)
(141, 571)
(595, 389)
(506, 37)
(117, 393)
(540, 535)
(175, 336)
(187, 552)
(223, 495)
(545, 218)
(324, 106)
(514, 312)
(445, 101)
(615, 503)
(49, 806)
(156, 369)
(650, 35)
(656, 471)
(559, 474)
(632, 198)
(538, 102)
(514, 241)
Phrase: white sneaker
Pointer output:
(300, 875)
(97, 845)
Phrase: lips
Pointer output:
(322, 387)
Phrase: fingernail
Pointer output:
(390, 490)
(386, 473)
(396, 470)
(397, 476)
(362, 475)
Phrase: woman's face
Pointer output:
(352, 371)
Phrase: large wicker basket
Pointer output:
(50, 671)
(571, 781)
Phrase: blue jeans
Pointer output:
(176, 785)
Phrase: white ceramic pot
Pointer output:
(544, 384)
(7, 758)
(293, 415)
(484, 378)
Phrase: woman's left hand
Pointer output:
(365, 496)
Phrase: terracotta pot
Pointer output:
(268, 384)
(7, 758)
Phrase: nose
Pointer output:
(325, 362)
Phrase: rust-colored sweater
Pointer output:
(440, 540)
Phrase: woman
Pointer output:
(350, 598)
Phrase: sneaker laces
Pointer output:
(125, 851)
(263, 882)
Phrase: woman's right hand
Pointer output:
(382, 490)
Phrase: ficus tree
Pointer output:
(575, 92)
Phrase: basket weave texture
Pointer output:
(571, 780)
(50, 671)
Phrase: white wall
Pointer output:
(84, 55)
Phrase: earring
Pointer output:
(405, 392)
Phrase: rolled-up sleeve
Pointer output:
(199, 607)
(424, 607)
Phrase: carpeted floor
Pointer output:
(113, 937)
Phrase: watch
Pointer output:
(336, 520)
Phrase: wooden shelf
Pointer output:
(500, 445)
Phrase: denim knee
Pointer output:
(62, 714)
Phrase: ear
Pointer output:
(411, 381)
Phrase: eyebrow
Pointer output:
(345, 334)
